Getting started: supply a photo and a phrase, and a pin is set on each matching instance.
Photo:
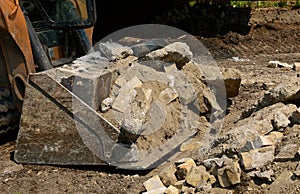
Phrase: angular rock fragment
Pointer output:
(177, 52)
(153, 183)
(126, 95)
(183, 167)
(229, 175)
(146, 47)
(287, 152)
(92, 87)
(232, 80)
(167, 175)
(265, 175)
(257, 158)
(281, 121)
(197, 175)
(113, 50)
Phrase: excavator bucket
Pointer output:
(60, 125)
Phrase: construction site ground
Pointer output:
(274, 35)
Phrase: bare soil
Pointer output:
(274, 35)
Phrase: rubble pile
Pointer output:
(252, 153)
(151, 89)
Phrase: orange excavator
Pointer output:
(36, 36)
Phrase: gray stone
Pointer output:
(265, 175)
(113, 50)
(160, 190)
(142, 49)
(288, 90)
(92, 86)
(153, 183)
(259, 123)
(287, 152)
(177, 52)
(158, 115)
(281, 121)
(257, 158)
(209, 163)
(126, 95)
(106, 104)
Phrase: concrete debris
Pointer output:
(287, 152)
(275, 64)
(113, 51)
(229, 175)
(177, 52)
(167, 175)
(154, 184)
(198, 175)
(257, 158)
(267, 175)
(281, 121)
(143, 86)
(232, 80)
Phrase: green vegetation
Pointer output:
(247, 4)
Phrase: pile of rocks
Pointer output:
(256, 148)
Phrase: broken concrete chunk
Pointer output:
(155, 64)
(287, 152)
(232, 80)
(106, 104)
(126, 95)
(197, 175)
(94, 58)
(262, 141)
(141, 49)
(183, 168)
(281, 121)
(153, 183)
(257, 158)
(177, 52)
(288, 90)
(209, 163)
(160, 190)
(277, 135)
(113, 50)
(91, 87)
(279, 64)
(167, 175)
(158, 115)
(229, 175)
(265, 175)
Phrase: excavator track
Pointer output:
(9, 115)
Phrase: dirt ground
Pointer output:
(274, 35)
